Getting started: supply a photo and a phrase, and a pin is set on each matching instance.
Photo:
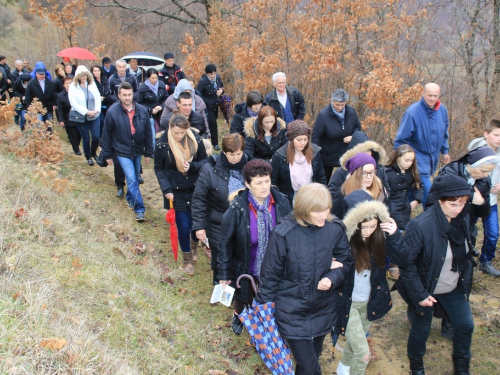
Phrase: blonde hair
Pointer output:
(355, 182)
(208, 146)
(313, 197)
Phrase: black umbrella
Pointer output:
(144, 58)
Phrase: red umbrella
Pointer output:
(174, 239)
(77, 53)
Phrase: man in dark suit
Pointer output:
(41, 89)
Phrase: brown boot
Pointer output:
(194, 250)
(188, 263)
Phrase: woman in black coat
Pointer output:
(245, 110)
(63, 108)
(102, 85)
(58, 83)
(297, 163)
(436, 270)
(152, 94)
(264, 134)
(179, 155)
(220, 177)
(365, 300)
(299, 275)
(247, 223)
(333, 130)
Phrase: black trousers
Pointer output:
(306, 353)
(119, 175)
(328, 172)
(212, 114)
(74, 137)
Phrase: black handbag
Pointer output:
(75, 116)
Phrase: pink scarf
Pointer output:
(300, 171)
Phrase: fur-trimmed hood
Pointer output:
(378, 153)
(364, 210)
(250, 127)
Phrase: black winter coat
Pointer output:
(117, 138)
(20, 91)
(170, 179)
(149, 99)
(380, 301)
(422, 257)
(171, 81)
(112, 70)
(329, 131)
(235, 244)
(103, 88)
(195, 120)
(15, 74)
(34, 90)
(281, 171)
(296, 103)
(401, 184)
(482, 184)
(211, 199)
(57, 88)
(255, 149)
(238, 122)
(63, 108)
(297, 258)
(208, 92)
(115, 81)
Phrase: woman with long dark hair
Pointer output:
(179, 156)
(63, 108)
(102, 85)
(264, 134)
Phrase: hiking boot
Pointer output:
(488, 268)
(417, 366)
(130, 204)
(461, 366)
(140, 181)
(90, 162)
(237, 325)
(194, 250)
(188, 263)
(140, 216)
(447, 330)
(119, 192)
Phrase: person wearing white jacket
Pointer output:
(85, 99)
(490, 223)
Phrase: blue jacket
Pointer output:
(40, 64)
(426, 130)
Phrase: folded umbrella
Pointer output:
(225, 103)
(264, 334)
(174, 239)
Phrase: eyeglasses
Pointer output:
(369, 174)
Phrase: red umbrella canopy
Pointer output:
(77, 53)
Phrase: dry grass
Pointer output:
(77, 267)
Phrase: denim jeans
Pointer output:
(22, 119)
(307, 353)
(458, 310)
(132, 169)
(152, 122)
(90, 129)
(427, 183)
(184, 223)
(490, 225)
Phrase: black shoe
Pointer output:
(90, 162)
(78, 152)
(130, 205)
(461, 366)
(217, 148)
(417, 366)
(119, 193)
(140, 181)
(447, 330)
(140, 216)
(237, 325)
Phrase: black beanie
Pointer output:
(450, 185)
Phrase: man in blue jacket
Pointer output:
(425, 128)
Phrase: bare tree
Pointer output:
(7, 18)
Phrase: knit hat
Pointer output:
(481, 155)
(359, 160)
(168, 55)
(106, 60)
(296, 128)
(450, 185)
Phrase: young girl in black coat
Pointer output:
(404, 182)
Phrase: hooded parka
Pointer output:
(256, 149)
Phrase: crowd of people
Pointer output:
(317, 215)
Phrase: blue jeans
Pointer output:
(458, 310)
(132, 169)
(184, 223)
(22, 119)
(427, 183)
(46, 117)
(90, 129)
(152, 122)
(490, 225)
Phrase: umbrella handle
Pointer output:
(171, 203)
(252, 281)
